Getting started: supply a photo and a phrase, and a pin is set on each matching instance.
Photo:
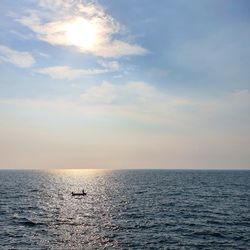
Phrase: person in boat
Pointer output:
(82, 193)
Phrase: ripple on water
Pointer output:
(125, 209)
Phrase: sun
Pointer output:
(81, 33)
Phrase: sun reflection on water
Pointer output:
(79, 171)
(122, 209)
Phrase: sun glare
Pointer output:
(81, 33)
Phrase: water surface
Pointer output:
(132, 209)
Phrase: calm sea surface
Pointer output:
(137, 209)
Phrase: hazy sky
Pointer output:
(125, 84)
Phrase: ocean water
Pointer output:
(132, 209)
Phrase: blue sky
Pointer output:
(125, 84)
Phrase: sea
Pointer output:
(124, 209)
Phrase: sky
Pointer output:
(125, 84)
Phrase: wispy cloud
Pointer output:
(43, 54)
(139, 101)
(21, 35)
(66, 72)
(129, 93)
(89, 22)
(109, 64)
(142, 102)
(17, 58)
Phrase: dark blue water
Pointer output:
(139, 209)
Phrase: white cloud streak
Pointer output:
(66, 72)
(109, 64)
(17, 58)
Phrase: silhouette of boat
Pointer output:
(78, 194)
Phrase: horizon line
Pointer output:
(122, 169)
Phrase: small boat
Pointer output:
(78, 194)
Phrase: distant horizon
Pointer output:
(227, 169)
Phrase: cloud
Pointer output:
(117, 48)
(140, 101)
(19, 59)
(121, 94)
(143, 103)
(109, 64)
(139, 95)
(85, 27)
(43, 54)
(137, 101)
(21, 35)
(66, 72)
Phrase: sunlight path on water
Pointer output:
(146, 209)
